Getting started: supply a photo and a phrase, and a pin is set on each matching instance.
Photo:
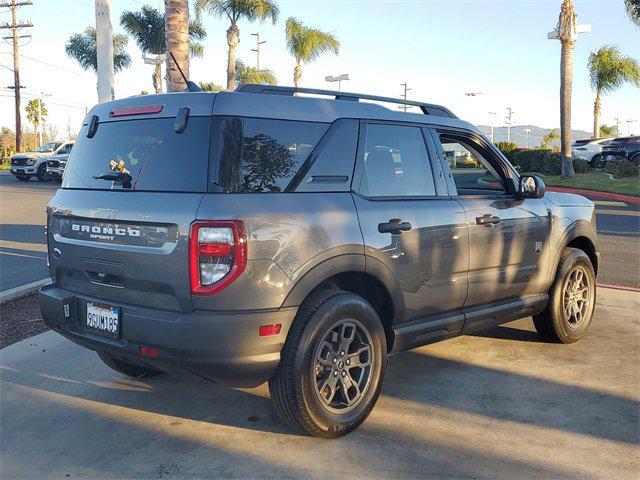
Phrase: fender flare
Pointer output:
(579, 228)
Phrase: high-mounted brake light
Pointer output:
(217, 255)
(141, 110)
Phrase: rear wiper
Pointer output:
(120, 177)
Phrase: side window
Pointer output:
(473, 174)
(260, 155)
(66, 149)
(395, 163)
(331, 163)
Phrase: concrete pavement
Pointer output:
(501, 404)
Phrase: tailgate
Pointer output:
(125, 247)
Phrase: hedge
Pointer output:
(542, 160)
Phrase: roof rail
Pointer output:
(427, 108)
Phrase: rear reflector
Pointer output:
(142, 110)
(269, 330)
(148, 352)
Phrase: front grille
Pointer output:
(19, 162)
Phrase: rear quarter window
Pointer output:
(260, 155)
(157, 158)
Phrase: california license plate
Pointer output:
(103, 319)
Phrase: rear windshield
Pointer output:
(155, 156)
(260, 155)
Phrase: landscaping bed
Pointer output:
(596, 181)
(20, 319)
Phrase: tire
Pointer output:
(596, 161)
(23, 178)
(570, 324)
(42, 174)
(127, 368)
(635, 159)
(301, 387)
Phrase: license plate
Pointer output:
(103, 319)
(17, 170)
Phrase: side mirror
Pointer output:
(531, 186)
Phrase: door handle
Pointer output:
(395, 226)
(487, 220)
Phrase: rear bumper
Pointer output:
(221, 346)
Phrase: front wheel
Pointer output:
(332, 365)
(572, 299)
(596, 161)
(635, 159)
(43, 175)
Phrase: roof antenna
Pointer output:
(191, 87)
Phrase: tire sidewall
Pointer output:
(335, 309)
(42, 175)
(565, 332)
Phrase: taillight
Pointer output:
(217, 255)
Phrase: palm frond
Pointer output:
(250, 75)
(633, 10)
(609, 70)
(82, 48)
(147, 27)
(307, 44)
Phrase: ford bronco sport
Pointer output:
(265, 235)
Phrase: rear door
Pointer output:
(126, 241)
(420, 236)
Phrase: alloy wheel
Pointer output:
(576, 297)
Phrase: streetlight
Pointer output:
(492, 114)
(473, 94)
(629, 122)
(337, 78)
(527, 131)
(157, 60)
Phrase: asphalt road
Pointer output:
(501, 404)
(23, 246)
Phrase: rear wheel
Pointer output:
(130, 369)
(572, 299)
(23, 178)
(332, 365)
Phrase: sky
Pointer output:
(442, 49)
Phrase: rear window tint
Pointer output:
(260, 155)
(157, 158)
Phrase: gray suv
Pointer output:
(265, 235)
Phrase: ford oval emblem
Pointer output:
(56, 253)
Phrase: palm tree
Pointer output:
(609, 70)
(82, 47)
(245, 74)
(147, 27)
(633, 10)
(36, 113)
(176, 36)
(567, 36)
(235, 10)
(306, 44)
(211, 87)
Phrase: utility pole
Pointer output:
(257, 49)
(508, 120)
(15, 26)
(104, 45)
(527, 131)
(404, 95)
(617, 126)
(629, 122)
(492, 115)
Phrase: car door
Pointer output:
(407, 226)
(507, 234)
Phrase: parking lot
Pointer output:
(501, 404)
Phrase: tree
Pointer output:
(147, 27)
(210, 87)
(235, 10)
(176, 37)
(633, 10)
(608, 70)
(507, 147)
(567, 35)
(306, 44)
(545, 143)
(608, 130)
(245, 74)
(36, 113)
(82, 48)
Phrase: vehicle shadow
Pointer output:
(23, 233)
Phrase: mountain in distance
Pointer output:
(519, 137)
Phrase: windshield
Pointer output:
(48, 147)
(150, 151)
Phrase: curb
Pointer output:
(595, 193)
(618, 287)
(22, 290)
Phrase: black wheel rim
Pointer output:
(342, 365)
(576, 297)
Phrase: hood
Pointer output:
(59, 156)
(568, 199)
(31, 155)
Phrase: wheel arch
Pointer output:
(581, 235)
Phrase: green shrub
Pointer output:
(467, 164)
(538, 160)
(581, 166)
(611, 168)
(625, 168)
(506, 147)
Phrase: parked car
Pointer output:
(34, 164)
(589, 150)
(259, 235)
(622, 147)
(57, 162)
